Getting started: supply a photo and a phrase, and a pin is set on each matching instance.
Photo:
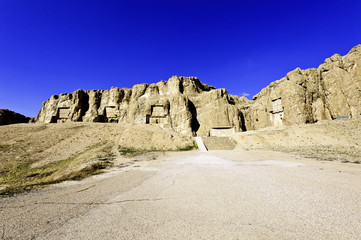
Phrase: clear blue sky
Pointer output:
(56, 46)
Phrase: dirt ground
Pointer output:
(195, 195)
(336, 140)
(37, 154)
(253, 192)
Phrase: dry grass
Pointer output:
(22, 177)
(337, 140)
(38, 154)
(133, 151)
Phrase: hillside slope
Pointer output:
(326, 140)
(35, 154)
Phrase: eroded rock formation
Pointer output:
(183, 104)
(189, 107)
(331, 91)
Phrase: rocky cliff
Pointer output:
(184, 104)
(333, 90)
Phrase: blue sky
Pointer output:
(56, 46)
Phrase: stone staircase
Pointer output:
(200, 144)
(218, 143)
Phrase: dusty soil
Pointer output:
(249, 193)
(192, 195)
(337, 140)
(36, 154)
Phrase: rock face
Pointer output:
(183, 104)
(189, 107)
(10, 117)
(331, 91)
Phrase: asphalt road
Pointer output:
(213, 195)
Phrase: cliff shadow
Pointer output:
(194, 121)
(243, 123)
(84, 106)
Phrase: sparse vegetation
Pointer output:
(131, 152)
(35, 155)
(189, 147)
(22, 177)
(93, 169)
(4, 147)
(325, 141)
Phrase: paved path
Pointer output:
(200, 144)
(212, 195)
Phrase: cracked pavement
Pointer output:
(194, 195)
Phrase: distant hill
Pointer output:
(10, 117)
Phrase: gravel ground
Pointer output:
(194, 195)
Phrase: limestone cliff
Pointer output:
(189, 107)
(331, 91)
(183, 104)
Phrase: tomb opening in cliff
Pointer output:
(222, 131)
(158, 115)
(62, 114)
(194, 122)
(111, 114)
(277, 112)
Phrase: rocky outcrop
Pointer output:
(187, 106)
(10, 117)
(183, 104)
(331, 91)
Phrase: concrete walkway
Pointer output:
(200, 144)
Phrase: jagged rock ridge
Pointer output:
(181, 103)
(331, 91)
(189, 107)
